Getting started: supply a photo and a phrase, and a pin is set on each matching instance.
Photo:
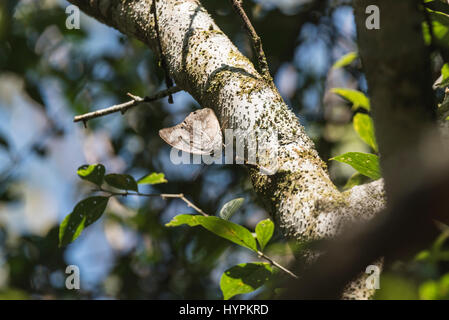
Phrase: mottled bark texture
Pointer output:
(204, 62)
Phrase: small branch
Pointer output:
(162, 195)
(270, 260)
(123, 107)
(257, 42)
(168, 80)
(189, 204)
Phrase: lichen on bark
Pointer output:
(204, 62)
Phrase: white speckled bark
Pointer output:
(204, 62)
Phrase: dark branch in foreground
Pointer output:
(123, 107)
(397, 233)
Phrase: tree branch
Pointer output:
(197, 209)
(257, 42)
(123, 107)
(168, 80)
(202, 60)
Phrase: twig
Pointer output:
(168, 80)
(189, 204)
(162, 195)
(123, 107)
(257, 42)
(273, 262)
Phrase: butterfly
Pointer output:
(199, 133)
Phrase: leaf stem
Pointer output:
(273, 262)
(162, 195)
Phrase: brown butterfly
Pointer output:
(199, 133)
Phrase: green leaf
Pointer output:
(423, 255)
(70, 229)
(437, 6)
(346, 60)
(264, 232)
(229, 208)
(84, 214)
(435, 289)
(355, 180)
(364, 127)
(445, 74)
(93, 173)
(225, 229)
(365, 163)
(440, 26)
(153, 178)
(443, 80)
(121, 181)
(357, 98)
(244, 278)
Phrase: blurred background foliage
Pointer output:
(48, 74)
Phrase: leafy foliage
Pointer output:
(435, 289)
(364, 127)
(93, 173)
(345, 60)
(84, 214)
(153, 178)
(365, 163)
(264, 232)
(91, 209)
(225, 229)
(164, 262)
(357, 98)
(355, 180)
(244, 278)
(121, 181)
(440, 26)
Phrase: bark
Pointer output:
(204, 62)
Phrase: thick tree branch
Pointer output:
(204, 62)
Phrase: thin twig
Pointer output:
(189, 204)
(162, 195)
(123, 107)
(168, 80)
(273, 262)
(257, 42)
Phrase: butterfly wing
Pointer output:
(199, 133)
